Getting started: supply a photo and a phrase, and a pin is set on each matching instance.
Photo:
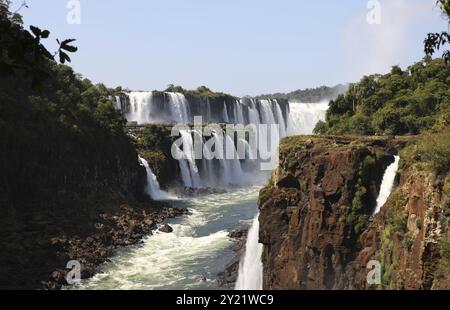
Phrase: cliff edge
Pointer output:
(317, 217)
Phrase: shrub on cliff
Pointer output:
(431, 151)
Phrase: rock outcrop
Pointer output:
(316, 217)
(409, 237)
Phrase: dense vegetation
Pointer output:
(201, 91)
(436, 41)
(154, 143)
(62, 140)
(401, 102)
(312, 95)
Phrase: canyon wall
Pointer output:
(317, 222)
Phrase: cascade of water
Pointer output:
(153, 188)
(267, 112)
(179, 107)
(140, 110)
(280, 119)
(250, 268)
(224, 169)
(235, 164)
(189, 160)
(387, 184)
(253, 116)
(238, 113)
(208, 110)
(118, 103)
(226, 118)
(303, 117)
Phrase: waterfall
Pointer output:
(118, 103)
(253, 116)
(267, 112)
(188, 165)
(235, 164)
(250, 275)
(303, 117)
(179, 107)
(238, 112)
(146, 109)
(280, 119)
(173, 108)
(226, 119)
(152, 188)
(387, 184)
(140, 108)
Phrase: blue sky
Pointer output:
(243, 47)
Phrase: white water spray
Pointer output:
(250, 268)
(387, 184)
(303, 117)
(153, 188)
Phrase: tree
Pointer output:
(435, 41)
(22, 52)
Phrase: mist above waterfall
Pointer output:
(303, 117)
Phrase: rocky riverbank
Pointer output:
(229, 276)
(125, 227)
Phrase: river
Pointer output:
(189, 258)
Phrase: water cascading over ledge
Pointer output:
(387, 184)
(176, 108)
(143, 108)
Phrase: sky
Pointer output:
(242, 47)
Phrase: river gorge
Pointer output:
(199, 248)
(302, 229)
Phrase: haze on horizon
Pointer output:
(240, 47)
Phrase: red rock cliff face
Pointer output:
(316, 208)
(406, 235)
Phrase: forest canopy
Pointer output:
(402, 102)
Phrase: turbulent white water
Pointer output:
(251, 268)
(153, 188)
(303, 117)
(143, 109)
(140, 108)
(191, 256)
(387, 184)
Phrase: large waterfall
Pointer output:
(170, 108)
(200, 248)
(303, 117)
(250, 268)
(145, 108)
(387, 184)
(152, 188)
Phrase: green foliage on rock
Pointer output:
(154, 143)
(430, 151)
(398, 103)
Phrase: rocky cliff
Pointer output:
(316, 217)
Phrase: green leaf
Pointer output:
(65, 42)
(63, 57)
(45, 34)
(36, 31)
(69, 48)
